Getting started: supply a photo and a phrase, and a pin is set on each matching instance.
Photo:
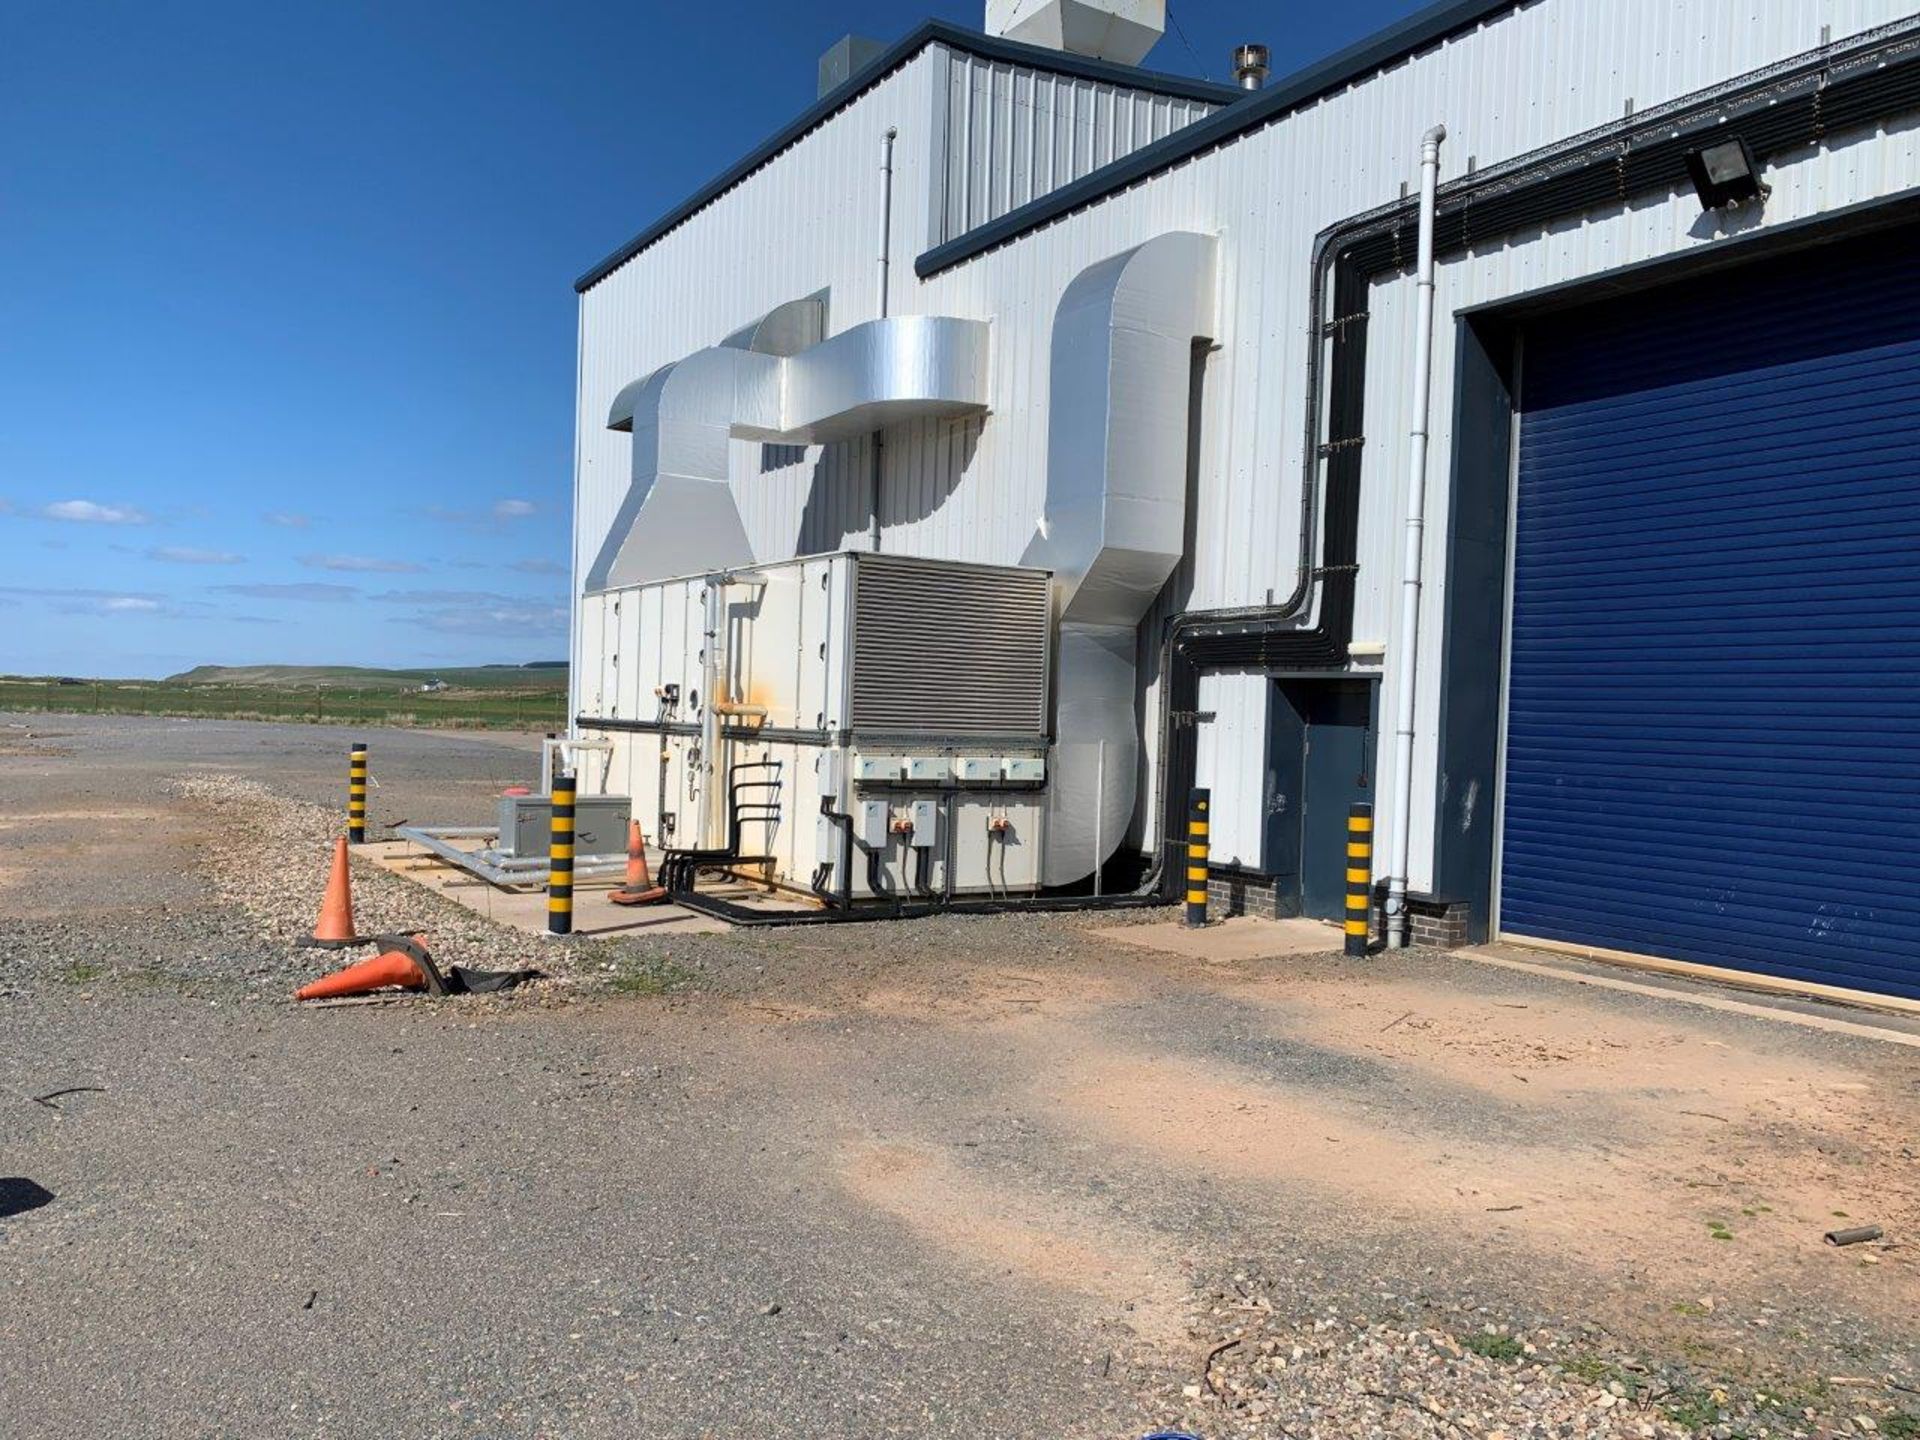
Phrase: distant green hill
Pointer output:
(544, 675)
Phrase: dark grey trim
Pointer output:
(987, 47)
(1473, 621)
(1882, 212)
(1428, 27)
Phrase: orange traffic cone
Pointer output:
(639, 889)
(637, 876)
(406, 965)
(335, 926)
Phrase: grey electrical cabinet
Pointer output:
(599, 824)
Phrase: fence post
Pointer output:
(560, 859)
(1359, 876)
(1198, 803)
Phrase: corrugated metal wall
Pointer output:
(1531, 78)
(1013, 134)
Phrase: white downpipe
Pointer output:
(880, 308)
(1407, 651)
(713, 679)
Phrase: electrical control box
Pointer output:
(926, 825)
(929, 769)
(870, 818)
(1023, 769)
(878, 769)
(977, 769)
(599, 825)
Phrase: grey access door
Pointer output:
(1320, 736)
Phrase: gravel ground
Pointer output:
(1437, 1369)
(271, 860)
(947, 1178)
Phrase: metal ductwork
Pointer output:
(1115, 524)
(907, 367)
(679, 516)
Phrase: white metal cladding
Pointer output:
(948, 650)
(1513, 85)
(1013, 134)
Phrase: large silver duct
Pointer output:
(1115, 523)
(679, 516)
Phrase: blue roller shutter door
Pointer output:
(1713, 742)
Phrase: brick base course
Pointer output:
(1433, 922)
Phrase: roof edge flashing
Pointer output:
(895, 57)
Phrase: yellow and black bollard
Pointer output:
(560, 859)
(1197, 806)
(1359, 876)
(357, 794)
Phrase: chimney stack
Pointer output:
(1250, 68)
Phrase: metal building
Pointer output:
(1103, 415)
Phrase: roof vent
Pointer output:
(1119, 30)
(848, 55)
(1250, 67)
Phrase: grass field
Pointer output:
(491, 697)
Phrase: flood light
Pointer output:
(1725, 173)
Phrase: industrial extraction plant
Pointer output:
(1511, 422)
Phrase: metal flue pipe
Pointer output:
(1406, 653)
(880, 308)
(1251, 65)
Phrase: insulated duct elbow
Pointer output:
(1115, 524)
(679, 515)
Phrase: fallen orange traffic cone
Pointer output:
(406, 965)
(335, 926)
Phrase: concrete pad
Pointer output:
(1244, 937)
(526, 909)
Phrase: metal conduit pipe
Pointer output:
(881, 308)
(1414, 526)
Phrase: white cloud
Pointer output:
(188, 555)
(287, 519)
(512, 509)
(539, 620)
(360, 564)
(89, 512)
(130, 604)
(299, 590)
(540, 567)
(445, 598)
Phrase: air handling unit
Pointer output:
(848, 725)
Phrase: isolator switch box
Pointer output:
(827, 768)
(1023, 769)
(935, 768)
(977, 769)
(870, 819)
(826, 840)
(926, 824)
(878, 769)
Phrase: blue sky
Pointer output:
(286, 325)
